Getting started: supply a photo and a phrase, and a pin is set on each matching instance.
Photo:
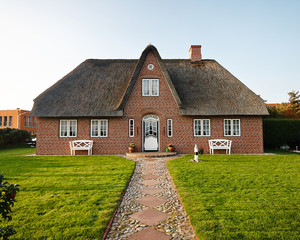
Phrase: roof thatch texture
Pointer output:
(101, 88)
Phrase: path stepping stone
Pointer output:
(151, 201)
(151, 191)
(151, 171)
(149, 234)
(150, 182)
(150, 216)
(150, 176)
(149, 167)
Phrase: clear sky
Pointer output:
(258, 41)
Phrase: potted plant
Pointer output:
(131, 148)
(171, 148)
(201, 151)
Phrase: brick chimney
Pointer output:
(195, 53)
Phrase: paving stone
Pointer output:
(150, 176)
(151, 171)
(151, 191)
(149, 234)
(150, 182)
(149, 167)
(151, 201)
(150, 216)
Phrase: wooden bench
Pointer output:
(219, 144)
(81, 145)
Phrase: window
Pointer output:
(25, 121)
(10, 121)
(33, 121)
(232, 127)
(99, 128)
(68, 128)
(150, 87)
(131, 127)
(29, 121)
(5, 122)
(201, 127)
(0, 121)
(170, 128)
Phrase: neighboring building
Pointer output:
(19, 119)
(151, 102)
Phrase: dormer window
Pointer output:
(150, 87)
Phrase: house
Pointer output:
(18, 119)
(151, 102)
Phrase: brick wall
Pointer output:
(137, 106)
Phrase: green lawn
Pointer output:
(64, 197)
(240, 196)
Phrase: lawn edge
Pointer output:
(119, 203)
(179, 194)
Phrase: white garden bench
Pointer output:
(219, 144)
(81, 145)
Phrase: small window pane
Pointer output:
(10, 121)
(95, 128)
(170, 127)
(206, 128)
(64, 128)
(146, 87)
(131, 127)
(5, 122)
(0, 121)
(154, 87)
(73, 127)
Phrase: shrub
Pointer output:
(12, 136)
(7, 198)
(279, 132)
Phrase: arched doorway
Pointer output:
(150, 133)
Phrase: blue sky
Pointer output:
(41, 41)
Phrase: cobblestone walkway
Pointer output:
(151, 208)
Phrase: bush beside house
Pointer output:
(279, 132)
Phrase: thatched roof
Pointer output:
(102, 87)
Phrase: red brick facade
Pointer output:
(137, 106)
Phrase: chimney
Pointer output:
(195, 53)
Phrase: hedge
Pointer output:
(279, 132)
(12, 136)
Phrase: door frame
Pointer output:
(158, 131)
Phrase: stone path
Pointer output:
(151, 208)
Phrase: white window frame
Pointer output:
(201, 128)
(151, 85)
(232, 133)
(68, 121)
(131, 127)
(99, 123)
(170, 127)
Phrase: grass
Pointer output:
(240, 196)
(64, 197)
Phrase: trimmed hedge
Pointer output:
(12, 136)
(279, 132)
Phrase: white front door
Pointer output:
(150, 124)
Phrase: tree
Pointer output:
(7, 199)
(295, 101)
(290, 109)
